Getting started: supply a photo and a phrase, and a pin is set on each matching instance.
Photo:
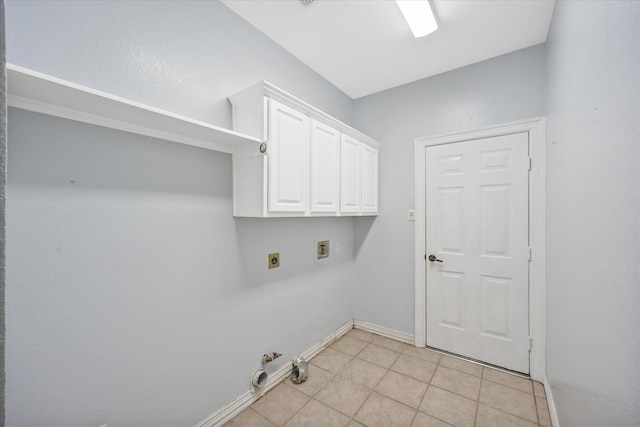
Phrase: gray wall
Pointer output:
(3, 191)
(181, 56)
(593, 206)
(134, 298)
(503, 89)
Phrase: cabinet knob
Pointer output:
(263, 147)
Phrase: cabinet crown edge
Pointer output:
(264, 88)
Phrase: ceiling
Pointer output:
(365, 46)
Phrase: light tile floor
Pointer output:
(364, 379)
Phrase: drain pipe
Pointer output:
(259, 377)
(300, 370)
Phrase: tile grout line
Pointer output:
(535, 405)
(353, 418)
(478, 363)
(492, 381)
(475, 419)
(507, 386)
(372, 389)
(509, 413)
(295, 413)
(429, 384)
(337, 374)
(416, 410)
(482, 379)
(399, 351)
(422, 398)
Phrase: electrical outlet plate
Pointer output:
(274, 260)
(323, 249)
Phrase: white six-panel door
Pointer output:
(477, 291)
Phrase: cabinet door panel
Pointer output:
(288, 159)
(350, 175)
(325, 168)
(369, 179)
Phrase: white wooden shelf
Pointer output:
(33, 91)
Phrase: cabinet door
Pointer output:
(369, 179)
(350, 175)
(288, 154)
(325, 168)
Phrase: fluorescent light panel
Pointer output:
(419, 16)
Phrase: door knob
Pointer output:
(433, 258)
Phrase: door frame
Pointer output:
(536, 129)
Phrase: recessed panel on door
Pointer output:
(451, 211)
(495, 307)
(494, 221)
(451, 300)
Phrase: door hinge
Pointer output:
(529, 253)
(530, 163)
(530, 343)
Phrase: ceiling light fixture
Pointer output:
(419, 16)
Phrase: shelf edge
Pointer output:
(17, 76)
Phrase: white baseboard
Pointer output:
(313, 351)
(552, 405)
(385, 332)
(234, 408)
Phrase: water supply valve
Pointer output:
(270, 358)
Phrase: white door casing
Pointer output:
(477, 232)
(536, 209)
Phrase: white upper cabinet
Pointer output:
(289, 158)
(310, 164)
(359, 177)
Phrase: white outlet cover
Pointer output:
(412, 215)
